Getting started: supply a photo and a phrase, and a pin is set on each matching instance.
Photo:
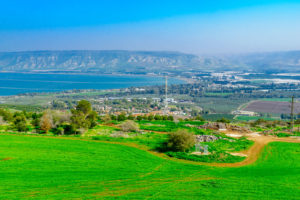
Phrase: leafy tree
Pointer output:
(92, 118)
(20, 123)
(69, 129)
(83, 116)
(157, 117)
(131, 117)
(7, 115)
(164, 118)
(84, 106)
(106, 118)
(170, 118)
(181, 140)
(150, 117)
(121, 117)
(36, 119)
(59, 131)
(113, 117)
(46, 122)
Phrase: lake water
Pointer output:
(17, 83)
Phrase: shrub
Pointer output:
(7, 115)
(20, 123)
(223, 120)
(139, 118)
(170, 118)
(129, 126)
(106, 119)
(59, 131)
(181, 140)
(121, 117)
(69, 130)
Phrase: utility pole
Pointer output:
(292, 115)
(166, 96)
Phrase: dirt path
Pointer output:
(252, 154)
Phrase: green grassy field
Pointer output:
(253, 118)
(169, 126)
(53, 168)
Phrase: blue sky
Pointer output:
(192, 26)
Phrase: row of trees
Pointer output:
(77, 121)
(80, 118)
(123, 117)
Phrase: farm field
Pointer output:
(272, 107)
(78, 169)
(251, 118)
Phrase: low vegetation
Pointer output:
(154, 132)
(93, 170)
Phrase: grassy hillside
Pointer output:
(53, 168)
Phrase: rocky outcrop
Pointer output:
(223, 126)
(206, 138)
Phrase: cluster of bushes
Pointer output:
(181, 143)
(123, 117)
(58, 122)
(267, 123)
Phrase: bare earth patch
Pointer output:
(5, 159)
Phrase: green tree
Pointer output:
(157, 117)
(106, 118)
(84, 106)
(139, 118)
(181, 140)
(170, 118)
(131, 117)
(150, 117)
(20, 123)
(121, 117)
(83, 116)
(7, 115)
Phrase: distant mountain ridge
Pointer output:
(118, 61)
(102, 61)
(286, 61)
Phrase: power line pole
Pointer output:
(166, 96)
(292, 115)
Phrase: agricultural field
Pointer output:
(89, 169)
(253, 118)
(272, 107)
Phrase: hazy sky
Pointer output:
(192, 26)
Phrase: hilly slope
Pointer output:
(101, 61)
(288, 61)
(141, 62)
(77, 169)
